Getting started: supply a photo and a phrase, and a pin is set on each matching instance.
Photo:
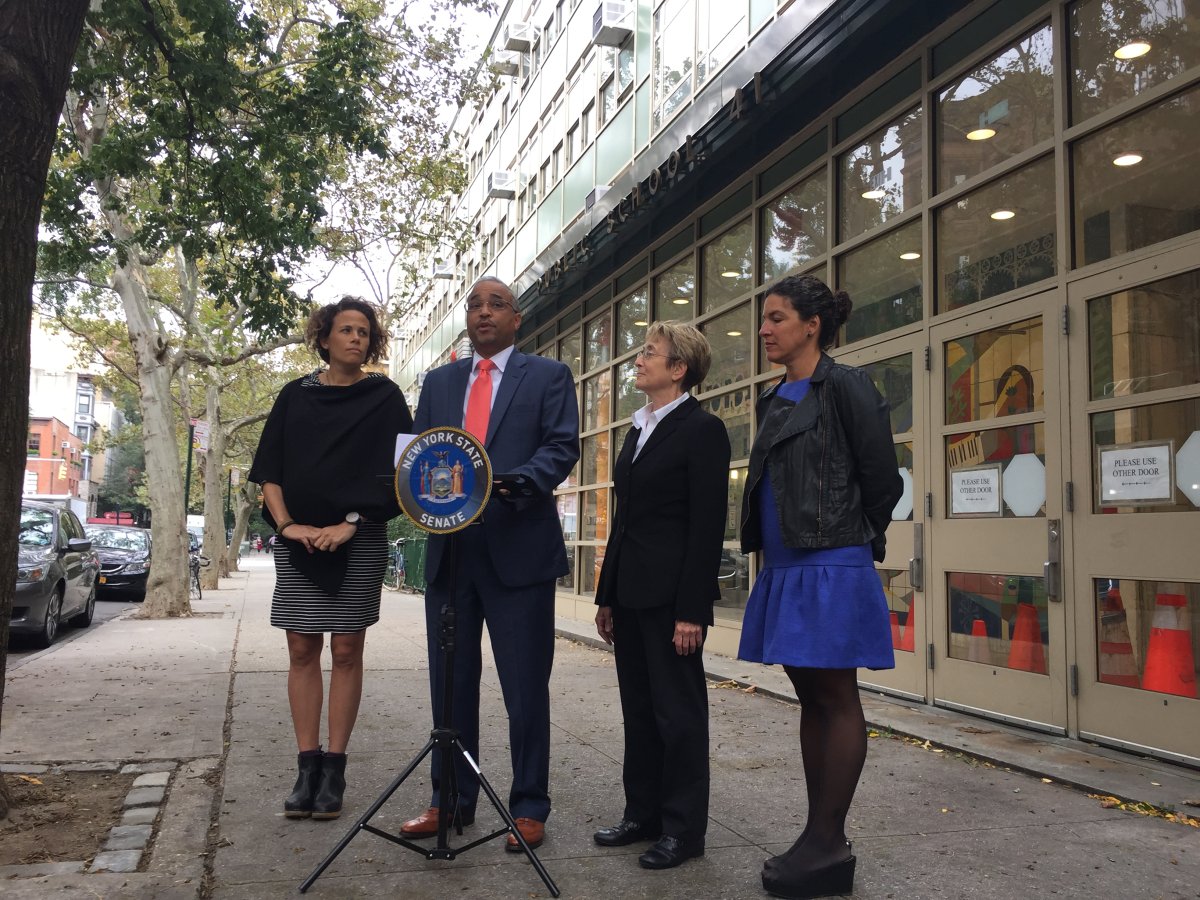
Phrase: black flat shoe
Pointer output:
(625, 832)
(668, 853)
(827, 882)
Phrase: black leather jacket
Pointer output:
(832, 463)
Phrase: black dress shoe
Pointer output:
(625, 832)
(668, 853)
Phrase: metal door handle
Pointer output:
(916, 563)
(1050, 568)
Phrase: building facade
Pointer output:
(1006, 190)
(54, 462)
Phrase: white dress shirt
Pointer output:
(646, 419)
(501, 361)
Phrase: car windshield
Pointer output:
(37, 528)
(117, 539)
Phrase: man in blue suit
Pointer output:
(507, 563)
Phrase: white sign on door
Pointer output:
(975, 491)
(1136, 473)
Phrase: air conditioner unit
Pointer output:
(66, 445)
(442, 269)
(501, 185)
(595, 195)
(609, 23)
(520, 36)
(506, 62)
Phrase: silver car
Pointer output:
(56, 573)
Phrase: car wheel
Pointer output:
(84, 618)
(49, 632)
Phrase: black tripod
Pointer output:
(445, 741)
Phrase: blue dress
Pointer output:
(822, 608)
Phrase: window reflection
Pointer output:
(674, 43)
(721, 27)
(594, 456)
(998, 620)
(893, 379)
(883, 280)
(629, 398)
(1122, 48)
(1144, 634)
(1146, 338)
(733, 510)
(728, 265)
(997, 111)
(632, 319)
(734, 409)
(570, 351)
(674, 291)
(733, 579)
(998, 238)
(793, 228)
(591, 559)
(995, 373)
(1135, 182)
(596, 396)
(568, 515)
(599, 341)
(881, 178)
(901, 607)
(903, 511)
(567, 582)
(730, 336)
(595, 515)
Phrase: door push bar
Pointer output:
(1052, 569)
(916, 565)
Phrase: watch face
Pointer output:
(353, 518)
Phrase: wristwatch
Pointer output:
(353, 518)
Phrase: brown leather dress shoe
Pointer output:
(426, 824)
(532, 830)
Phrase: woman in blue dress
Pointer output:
(821, 488)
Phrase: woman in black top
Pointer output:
(323, 462)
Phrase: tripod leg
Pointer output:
(366, 817)
(508, 820)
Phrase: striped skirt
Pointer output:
(299, 605)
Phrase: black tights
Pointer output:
(833, 743)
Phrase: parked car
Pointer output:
(124, 553)
(56, 573)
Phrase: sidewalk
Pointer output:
(208, 695)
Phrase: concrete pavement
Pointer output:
(1003, 818)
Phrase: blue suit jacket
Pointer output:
(533, 431)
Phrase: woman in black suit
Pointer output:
(656, 593)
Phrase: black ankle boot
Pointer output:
(299, 804)
(328, 801)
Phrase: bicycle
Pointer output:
(195, 563)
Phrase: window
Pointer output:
(34, 446)
(572, 144)
(793, 227)
(504, 112)
(585, 125)
(608, 101)
(722, 32)
(881, 178)
(547, 178)
(674, 45)
(84, 405)
(556, 164)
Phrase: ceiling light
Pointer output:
(981, 134)
(874, 194)
(733, 333)
(1001, 215)
(731, 274)
(1132, 50)
(910, 254)
(640, 324)
(1127, 159)
(681, 301)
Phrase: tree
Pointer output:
(209, 134)
(37, 43)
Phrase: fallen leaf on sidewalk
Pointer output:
(30, 778)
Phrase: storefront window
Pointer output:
(599, 341)
(998, 620)
(632, 313)
(899, 593)
(570, 352)
(629, 398)
(595, 515)
(596, 395)
(730, 336)
(1122, 48)
(1168, 434)
(594, 456)
(733, 512)
(568, 515)
(591, 559)
(997, 111)
(995, 373)
(675, 291)
(674, 46)
(1135, 182)
(893, 379)
(567, 582)
(793, 228)
(733, 579)
(1144, 634)
(1009, 464)
(881, 178)
(734, 409)
(1146, 338)
(883, 279)
(998, 238)
(728, 267)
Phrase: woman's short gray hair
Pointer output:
(687, 345)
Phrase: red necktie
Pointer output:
(479, 401)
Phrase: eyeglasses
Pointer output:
(494, 305)
(649, 352)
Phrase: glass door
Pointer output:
(1136, 361)
(897, 368)
(994, 579)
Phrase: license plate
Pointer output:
(103, 580)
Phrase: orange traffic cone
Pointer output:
(977, 646)
(1170, 661)
(1026, 651)
(895, 617)
(908, 638)
(1117, 665)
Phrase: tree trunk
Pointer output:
(37, 44)
(214, 492)
(247, 497)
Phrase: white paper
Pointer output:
(1136, 473)
(975, 491)
(402, 442)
